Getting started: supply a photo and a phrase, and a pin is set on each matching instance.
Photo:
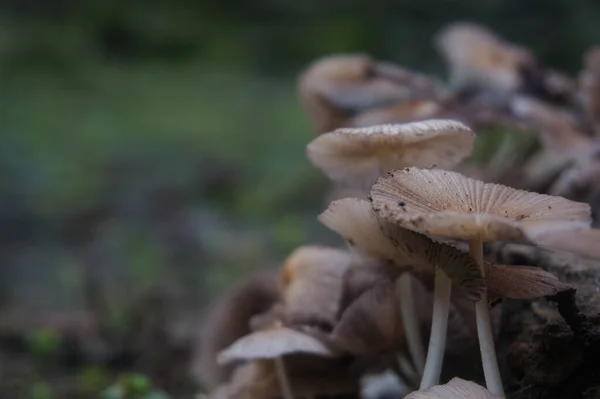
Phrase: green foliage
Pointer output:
(132, 386)
(44, 342)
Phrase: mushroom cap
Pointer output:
(272, 343)
(581, 241)
(312, 281)
(457, 388)
(357, 156)
(357, 223)
(448, 204)
(372, 323)
(521, 282)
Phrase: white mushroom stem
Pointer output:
(282, 377)
(439, 326)
(484, 329)
(410, 321)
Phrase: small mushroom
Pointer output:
(335, 88)
(451, 205)
(274, 343)
(457, 388)
(311, 282)
(357, 156)
(356, 222)
(228, 319)
(480, 60)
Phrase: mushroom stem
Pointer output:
(484, 329)
(439, 326)
(411, 323)
(282, 377)
(407, 371)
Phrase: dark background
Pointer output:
(150, 146)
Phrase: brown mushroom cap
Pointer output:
(581, 241)
(312, 282)
(357, 156)
(448, 204)
(372, 323)
(521, 282)
(356, 222)
(272, 343)
(457, 388)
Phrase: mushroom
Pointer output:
(577, 239)
(227, 319)
(274, 343)
(480, 60)
(357, 156)
(312, 282)
(356, 222)
(456, 388)
(448, 204)
(335, 88)
(569, 159)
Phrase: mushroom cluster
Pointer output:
(415, 227)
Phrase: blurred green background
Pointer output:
(149, 144)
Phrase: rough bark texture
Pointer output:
(550, 348)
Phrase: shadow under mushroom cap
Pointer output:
(448, 204)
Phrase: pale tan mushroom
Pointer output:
(311, 282)
(227, 320)
(457, 388)
(577, 239)
(478, 59)
(356, 157)
(448, 204)
(274, 343)
(335, 88)
(356, 222)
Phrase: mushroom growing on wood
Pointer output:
(357, 156)
(311, 283)
(335, 88)
(274, 343)
(356, 222)
(448, 204)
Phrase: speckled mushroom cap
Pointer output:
(272, 343)
(448, 204)
(355, 221)
(457, 388)
(357, 156)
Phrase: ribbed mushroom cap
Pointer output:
(521, 282)
(312, 282)
(357, 156)
(272, 343)
(581, 241)
(448, 204)
(355, 221)
(457, 388)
